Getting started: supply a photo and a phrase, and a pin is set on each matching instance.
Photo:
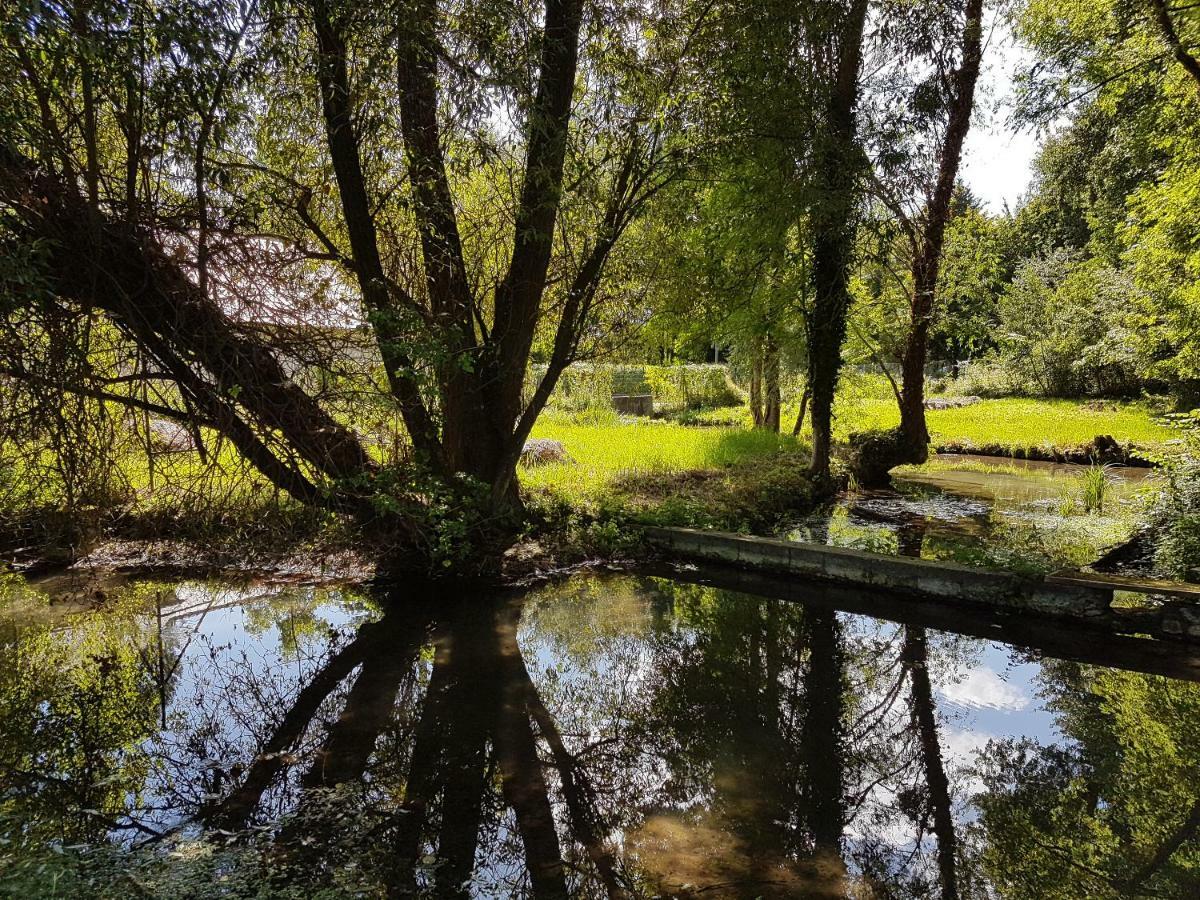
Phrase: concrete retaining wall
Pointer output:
(928, 578)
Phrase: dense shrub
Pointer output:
(988, 377)
(692, 386)
(1175, 518)
(584, 387)
(1065, 328)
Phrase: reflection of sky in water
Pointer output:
(597, 654)
(218, 638)
(993, 696)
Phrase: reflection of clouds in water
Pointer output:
(961, 750)
(982, 688)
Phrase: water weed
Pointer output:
(1094, 483)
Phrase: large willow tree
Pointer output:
(197, 197)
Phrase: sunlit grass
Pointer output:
(1048, 423)
(994, 466)
(866, 403)
(604, 452)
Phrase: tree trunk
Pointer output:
(756, 384)
(878, 453)
(1161, 12)
(839, 163)
(800, 415)
(927, 261)
(770, 384)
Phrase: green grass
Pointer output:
(866, 403)
(1050, 423)
(608, 450)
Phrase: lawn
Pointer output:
(865, 402)
(606, 450)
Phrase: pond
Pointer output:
(607, 735)
(1021, 515)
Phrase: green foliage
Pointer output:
(973, 270)
(1175, 516)
(691, 386)
(1115, 197)
(1088, 818)
(445, 518)
(583, 387)
(986, 377)
(1094, 487)
(678, 387)
(1064, 329)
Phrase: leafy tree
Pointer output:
(973, 272)
(1115, 183)
(181, 176)
(919, 155)
(1064, 328)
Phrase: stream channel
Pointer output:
(610, 734)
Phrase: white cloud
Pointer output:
(984, 689)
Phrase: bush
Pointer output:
(701, 386)
(1175, 518)
(1065, 329)
(985, 378)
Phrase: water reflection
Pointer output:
(606, 737)
(1018, 515)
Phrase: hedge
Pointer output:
(673, 387)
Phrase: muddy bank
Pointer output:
(125, 559)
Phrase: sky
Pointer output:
(997, 160)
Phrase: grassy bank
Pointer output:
(729, 475)
(621, 470)
(607, 450)
(652, 471)
(866, 403)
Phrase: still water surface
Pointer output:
(1020, 515)
(611, 735)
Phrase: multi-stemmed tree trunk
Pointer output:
(481, 374)
(455, 354)
(909, 443)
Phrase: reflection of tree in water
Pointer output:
(454, 761)
(1112, 812)
(701, 741)
(752, 795)
(75, 700)
(626, 737)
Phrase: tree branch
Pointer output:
(1162, 17)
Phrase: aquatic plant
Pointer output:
(1094, 484)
